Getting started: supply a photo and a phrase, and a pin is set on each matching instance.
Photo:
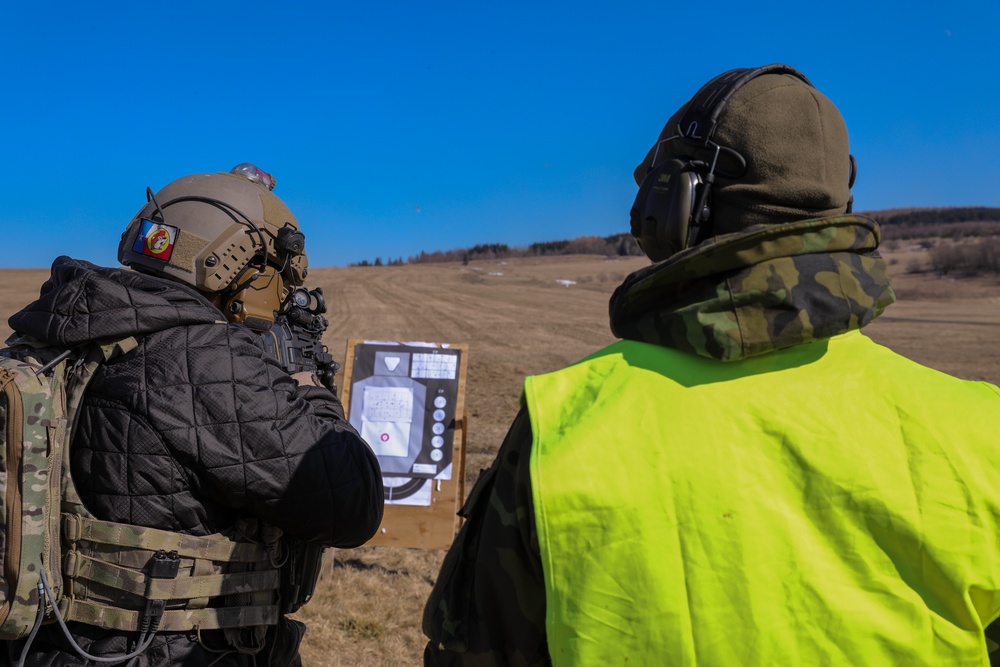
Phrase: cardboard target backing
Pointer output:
(407, 400)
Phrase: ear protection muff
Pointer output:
(672, 210)
(254, 297)
(665, 207)
(850, 182)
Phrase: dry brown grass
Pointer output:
(946, 323)
(366, 611)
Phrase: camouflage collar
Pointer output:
(766, 288)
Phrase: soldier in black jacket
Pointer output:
(197, 430)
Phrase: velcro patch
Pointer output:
(155, 240)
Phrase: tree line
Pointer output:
(616, 245)
(898, 223)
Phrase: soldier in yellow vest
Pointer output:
(745, 478)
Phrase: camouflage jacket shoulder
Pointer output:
(766, 288)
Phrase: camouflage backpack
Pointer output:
(59, 563)
(36, 421)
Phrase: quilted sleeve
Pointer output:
(302, 466)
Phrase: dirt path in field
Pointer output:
(515, 316)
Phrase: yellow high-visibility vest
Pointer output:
(827, 504)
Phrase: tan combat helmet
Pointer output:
(223, 233)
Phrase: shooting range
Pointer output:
(407, 400)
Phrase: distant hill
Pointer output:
(934, 215)
(896, 223)
(948, 222)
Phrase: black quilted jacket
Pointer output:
(193, 428)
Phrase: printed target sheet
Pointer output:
(404, 400)
(386, 419)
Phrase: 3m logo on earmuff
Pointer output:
(155, 240)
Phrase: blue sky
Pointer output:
(399, 127)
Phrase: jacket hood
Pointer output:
(82, 302)
(762, 289)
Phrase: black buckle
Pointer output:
(164, 565)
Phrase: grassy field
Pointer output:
(523, 317)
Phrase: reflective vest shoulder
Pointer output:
(832, 503)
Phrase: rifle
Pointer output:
(295, 338)
(295, 341)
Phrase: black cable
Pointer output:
(150, 197)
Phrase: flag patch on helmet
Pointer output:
(155, 240)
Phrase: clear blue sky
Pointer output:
(399, 127)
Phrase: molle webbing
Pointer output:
(109, 579)
(173, 620)
(77, 566)
(211, 547)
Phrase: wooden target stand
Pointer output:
(431, 526)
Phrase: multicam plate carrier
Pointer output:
(66, 565)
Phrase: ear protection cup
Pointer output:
(254, 298)
(662, 215)
(850, 181)
(671, 211)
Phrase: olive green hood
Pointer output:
(765, 288)
(798, 163)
